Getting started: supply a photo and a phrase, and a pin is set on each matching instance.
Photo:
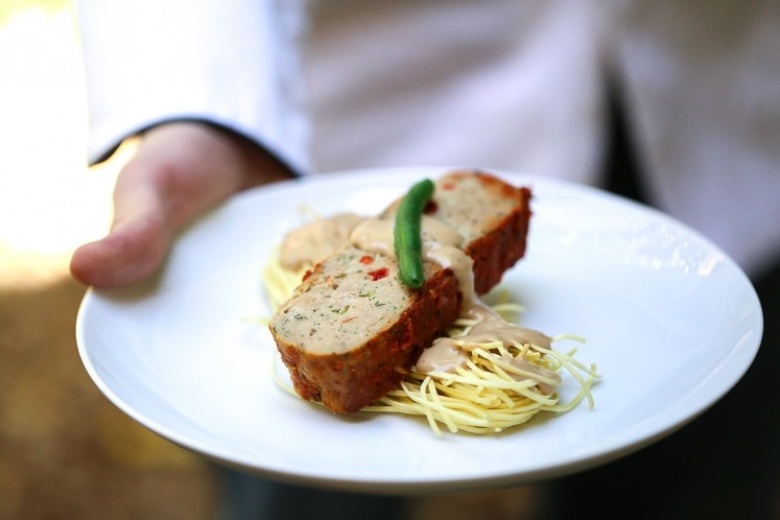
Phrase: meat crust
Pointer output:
(347, 381)
(352, 331)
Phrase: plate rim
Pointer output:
(360, 178)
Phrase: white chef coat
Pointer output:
(230, 62)
(509, 84)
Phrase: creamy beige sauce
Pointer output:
(547, 381)
(434, 231)
(449, 354)
(460, 263)
(444, 355)
(374, 235)
(317, 240)
(441, 244)
(497, 330)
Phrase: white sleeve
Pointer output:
(704, 100)
(233, 63)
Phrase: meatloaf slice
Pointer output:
(351, 330)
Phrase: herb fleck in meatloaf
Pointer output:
(351, 330)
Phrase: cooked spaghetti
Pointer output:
(496, 381)
(490, 392)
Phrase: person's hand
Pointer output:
(180, 171)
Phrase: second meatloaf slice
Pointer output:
(351, 330)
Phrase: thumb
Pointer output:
(180, 171)
(137, 244)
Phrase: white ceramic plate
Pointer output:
(670, 321)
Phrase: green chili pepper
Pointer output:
(407, 234)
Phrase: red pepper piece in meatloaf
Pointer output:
(351, 330)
